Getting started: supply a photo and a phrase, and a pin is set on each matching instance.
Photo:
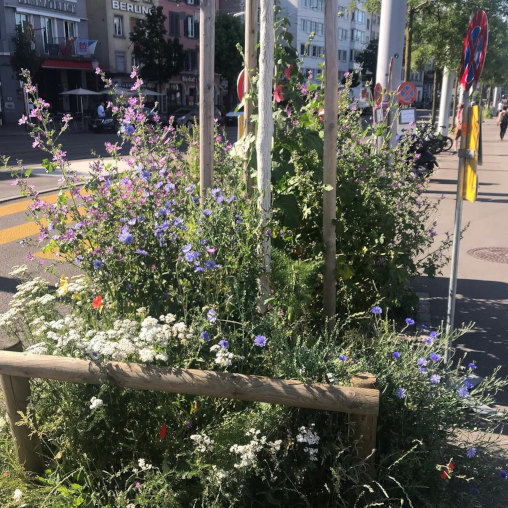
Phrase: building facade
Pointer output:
(57, 31)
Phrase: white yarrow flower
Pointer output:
(95, 403)
(17, 495)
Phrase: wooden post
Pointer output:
(206, 93)
(251, 38)
(264, 146)
(330, 160)
(346, 399)
(365, 425)
(16, 394)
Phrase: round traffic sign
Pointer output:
(475, 48)
(406, 93)
(378, 93)
(240, 84)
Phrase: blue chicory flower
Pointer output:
(468, 384)
(97, 264)
(434, 357)
(472, 366)
(186, 248)
(207, 212)
(401, 393)
(125, 236)
(434, 335)
(260, 340)
(223, 344)
(422, 362)
(428, 341)
(423, 370)
(396, 354)
(410, 321)
(342, 358)
(211, 265)
(205, 336)
(377, 310)
(435, 379)
(471, 452)
(463, 392)
(211, 315)
(142, 252)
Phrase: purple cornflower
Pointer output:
(211, 315)
(410, 321)
(191, 256)
(428, 341)
(471, 452)
(396, 354)
(342, 358)
(434, 335)
(205, 336)
(224, 344)
(423, 370)
(503, 474)
(377, 310)
(463, 392)
(434, 357)
(468, 384)
(260, 340)
(422, 362)
(97, 264)
(211, 265)
(207, 212)
(472, 366)
(125, 236)
(142, 252)
(435, 379)
(401, 393)
(186, 248)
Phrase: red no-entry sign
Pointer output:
(475, 48)
(240, 84)
(378, 93)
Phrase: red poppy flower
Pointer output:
(277, 94)
(445, 474)
(287, 72)
(97, 303)
(163, 431)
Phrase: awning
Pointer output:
(55, 63)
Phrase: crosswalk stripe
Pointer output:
(20, 232)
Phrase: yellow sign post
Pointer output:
(470, 189)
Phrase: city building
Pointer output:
(57, 32)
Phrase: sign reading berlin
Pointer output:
(475, 48)
(131, 7)
(57, 5)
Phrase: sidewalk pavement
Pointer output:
(482, 287)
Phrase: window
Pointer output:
(309, 26)
(303, 50)
(342, 55)
(191, 60)
(174, 23)
(316, 5)
(317, 51)
(352, 55)
(190, 28)
(358, 16)
(47, 32)
(120, 61)
(118, 25)
(342, 34)
(357, 35)
(70, 29)
(190, 2)
(368, 24)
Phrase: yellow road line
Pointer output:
(21, 206)
(49, 255)
(15, 233)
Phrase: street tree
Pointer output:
(24, 56)
(159, 58)
(229, 33)
(368, 59)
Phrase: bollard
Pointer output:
(365, 425)
(16, 394)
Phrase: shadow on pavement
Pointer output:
(486, 304)
(8, 284)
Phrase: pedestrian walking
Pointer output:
(458, 129)
(502, 121)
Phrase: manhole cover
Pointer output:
(495, 254)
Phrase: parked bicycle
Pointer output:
(434, 142)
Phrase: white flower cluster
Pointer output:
(95, 403)
(223, 357)
(310, 438)
(144, 465)
(249, 451)
(203, 443)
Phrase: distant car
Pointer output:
(232, 116)
(186, 115)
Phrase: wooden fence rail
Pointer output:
(359, 400)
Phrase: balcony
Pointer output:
(61, 47)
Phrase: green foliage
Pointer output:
(23, 56)
(161, 58)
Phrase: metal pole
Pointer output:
(330, 159)
(444, 105)
(206, 93)
(452, 289)
(391, 45)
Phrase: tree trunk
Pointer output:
(264, 147)
(206, 94)
(409, 38)
(330, 160)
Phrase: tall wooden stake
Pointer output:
(251, 38)
(330, 159)
(206, 93)
(264, 145)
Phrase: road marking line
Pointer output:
(20, 232)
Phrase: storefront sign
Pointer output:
(132, 7)
(188, 79)
(57, 5)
